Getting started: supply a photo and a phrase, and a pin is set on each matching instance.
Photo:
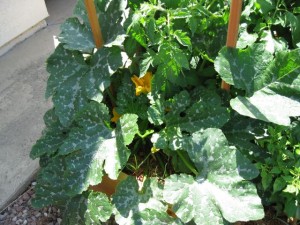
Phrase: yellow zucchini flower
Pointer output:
(116, 116)
(143, 84)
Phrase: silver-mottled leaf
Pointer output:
(72, 88)
(245, 39)
(93, 148)
(90, 208)
(200, 115)
(241, 131)
(68, 99)
(127, 126)
(140, 205)
(47, 144)
(52, 136)
(273, 86)
(156, 111)
(104, 63)
(110, 16)
(49, 189)
(243, 68)
(220, 191)
(62, 65)
(76, 36)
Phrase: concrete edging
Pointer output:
(5, 48)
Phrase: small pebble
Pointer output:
(19, 208)
(20, 201)
(3, 216)
(37, 214)
(59, 220)
(26, 197)
(21, 212)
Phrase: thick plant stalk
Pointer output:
(92, 14)
(233, 30)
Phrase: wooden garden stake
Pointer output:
(233, 30)
(92, 14)
(95, 25)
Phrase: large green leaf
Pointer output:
(68, 99)
(127, 128)
(47, 144)
(104, 63)
(200, 115)
(141, 204)
(273, 45)
(221, 190)
(84, 167)
(52, 122)
(72, 82)
(156, 111)
(242, 131)
(110, 16)
(61, 65)
(272, 85)
(170, 137)
(243, 68)
(205, 111)
(95, 114)
(52, 138)
(245, 39)
(90, 208)
(76, 36)
(185, 113)
(49, 189)
(93, 148)
(66, 69)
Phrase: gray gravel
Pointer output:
(21, 212)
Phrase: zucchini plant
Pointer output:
(149, 104)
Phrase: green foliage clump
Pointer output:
(149, 103)
(280, 170)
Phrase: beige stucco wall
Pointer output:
(19, 16)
